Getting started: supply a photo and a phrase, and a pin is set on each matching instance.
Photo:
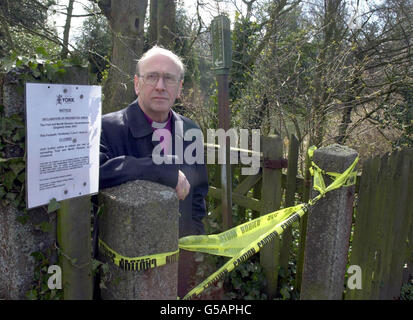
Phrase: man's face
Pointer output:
(157, 98)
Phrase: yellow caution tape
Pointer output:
(138, 263)
(347, 178)
(317, 173)
(273, 228)
(231, 242)
(241, 242)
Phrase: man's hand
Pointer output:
(183, 186)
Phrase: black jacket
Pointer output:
(126, 154)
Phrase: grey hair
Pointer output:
(162, 51)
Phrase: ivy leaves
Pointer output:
(246, 281)
(39, 67)
(53, 206)
(41, 291)
(12, 169)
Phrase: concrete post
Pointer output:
(140, 218)
(328, 230)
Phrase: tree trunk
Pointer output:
(65, 49)
(153, 23)
(324, 69)
(126, 19)
(166, 23)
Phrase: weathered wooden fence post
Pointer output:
(381, 243)
(271, 201)
(241, 210)
(328, 230)
(303, 222)
(74, 230)
(75, 247)
(287, 235)
(140, 218)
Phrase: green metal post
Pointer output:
(222, 59)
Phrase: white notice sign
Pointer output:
(63, 133)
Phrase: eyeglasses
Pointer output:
(152, 78)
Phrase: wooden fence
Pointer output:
(382, 236)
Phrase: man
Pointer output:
(127, 146)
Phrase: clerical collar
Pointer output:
(159, 125)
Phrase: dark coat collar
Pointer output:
(139, 126)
